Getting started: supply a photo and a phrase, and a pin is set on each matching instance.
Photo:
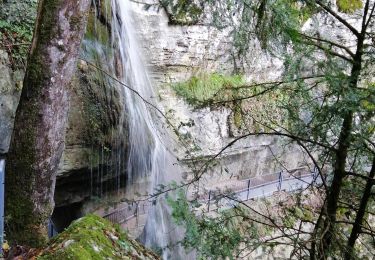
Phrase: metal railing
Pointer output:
(245, 189)
(264, 186)
(129, 212)
(268, 179)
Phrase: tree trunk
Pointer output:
(336, 186)
(39, 129)
(341, 156)
(361, 213)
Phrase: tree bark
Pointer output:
(336, 186)
(361, 213)
(39, 129)
(341, 156)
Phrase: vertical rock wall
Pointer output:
(174, 53)
(10, 90)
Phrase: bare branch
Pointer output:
(338, 17)
(329, 42)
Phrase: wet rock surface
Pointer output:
(10, 91)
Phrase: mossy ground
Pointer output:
(92, 237)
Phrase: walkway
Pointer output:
(243, 190)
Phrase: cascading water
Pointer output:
(148, 159)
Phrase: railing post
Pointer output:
(248, 189)
(209, 200)
(2, 187)
(51, 229)
(280, 180)
(315, 173)
(137, 215)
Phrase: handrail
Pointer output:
(129, 211)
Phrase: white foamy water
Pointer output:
(148, 160)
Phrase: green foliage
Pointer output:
(273, 22)
(17, 19)
(207, 87)
(215, 90)
(92, 237)
(325, 102)
(349, 6)
(214, 238)
(182, 12)
(278, 22)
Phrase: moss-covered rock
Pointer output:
(182, 12)
(92, 237)
(96, 130)
(99, 24)
(204, 89)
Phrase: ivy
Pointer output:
(17, 19)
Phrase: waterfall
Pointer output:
(145, 153)
(148, 161)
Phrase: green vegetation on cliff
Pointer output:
(92, 237)
(207, 87)
(323, 99)
(349, 6)
(216, 90)
(182, 12)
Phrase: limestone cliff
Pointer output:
(175, 53)
(96, 137)
(96, 131)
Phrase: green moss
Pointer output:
(237, 115)
(106, 9)
(47, 20)
(92, 237)
(96, 31)
(182, 12)
(17, 19)
(203, 89)
(22, 223)
(348, 6)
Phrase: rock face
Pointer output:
(96, 131)
(174, 53)
(92, 237)
(10, 86)
(95, 149)
(177, 52)
(92, 162)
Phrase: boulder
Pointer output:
(92, 237)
